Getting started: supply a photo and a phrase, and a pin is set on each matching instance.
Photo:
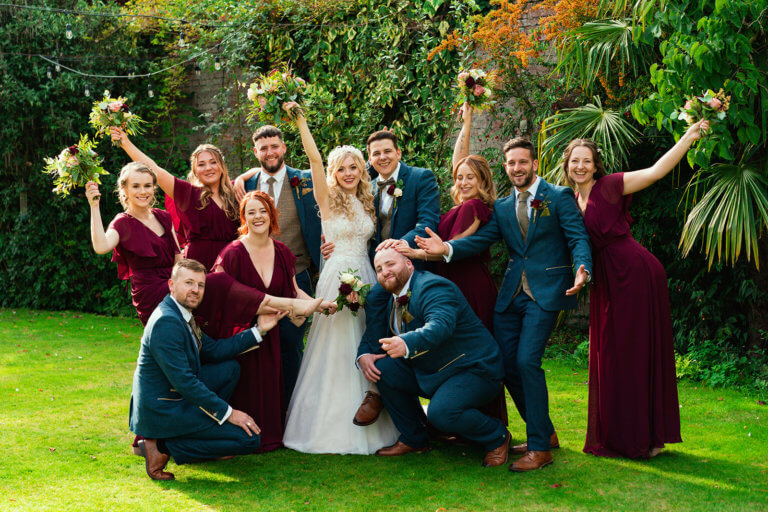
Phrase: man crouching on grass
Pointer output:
(184, 378)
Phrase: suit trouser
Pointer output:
(292, 341)
(453, 406)
(217, 440)
(522, 332)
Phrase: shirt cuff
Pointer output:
(447, 257)
(226, 415)
(257, 334)
(407, 350)
(357, 361)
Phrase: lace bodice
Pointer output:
(350, 235)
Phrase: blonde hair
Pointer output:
(226, 191)
(338, 200)
(122, 181)
(482, 170)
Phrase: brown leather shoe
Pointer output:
(520, 449)
(498, 456)
(154, 461)
(400, 448)
(531, 460)
(369, 410)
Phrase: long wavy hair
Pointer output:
(338, 199)
(485, 188)
(272, 213)
(122, 182)
(597, 159)
(226, 191)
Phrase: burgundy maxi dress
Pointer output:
(260, 391)
(632, 384)
(472, 277)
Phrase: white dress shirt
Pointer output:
(387, 199)
(278, 185)
(398, 318)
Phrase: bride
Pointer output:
(329, 386)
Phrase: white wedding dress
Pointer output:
(330, 387)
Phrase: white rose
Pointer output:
(251, 94)
(397, 192)
(347, 278)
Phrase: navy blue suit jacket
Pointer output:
(557, 243)
(444, 336)
(168, 398)
(306, 207)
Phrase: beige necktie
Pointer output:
(522, 213)
(271, 186)
(196, 331)
(395, 318)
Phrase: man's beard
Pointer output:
(272, 170)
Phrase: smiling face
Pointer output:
(521, 167)
(348, 175)
(270, 151)
(384, 157)
(256, 216)
(207, 169)
(467, 182)
(139, 190)
(580, 167)
(392, 270)
(187, 287)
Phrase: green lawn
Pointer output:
(65, 383)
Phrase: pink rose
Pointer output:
(463, 76)
(72, 161)
(687, 105)
(715, 104)
(115, 106)
(479, 90)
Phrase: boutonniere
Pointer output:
(541, 206)
(403, 301)
(301, 185)
(395, 191)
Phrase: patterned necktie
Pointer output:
(271, 186)
(197, 332)
(522, 213)
(385, 183)
(395, 318)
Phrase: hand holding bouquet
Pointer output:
(709, 106)
(109, 112)
(269, 92)
(352, 291)
(476, 88)
(75, 166)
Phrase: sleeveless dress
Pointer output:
(330, 387)
(260, 390)
(144, 258)
(632, 384)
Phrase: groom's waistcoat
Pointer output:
(290, 228)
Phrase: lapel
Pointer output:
(541, 195)
(403, 175)
(191, 344)
(295, 193)
(511, 213)
(376, 200)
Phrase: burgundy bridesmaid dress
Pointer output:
(145, 258)
(472, 277)
(260, 391)
(632, 384)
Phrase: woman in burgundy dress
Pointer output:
(633, 407)
(255, 259)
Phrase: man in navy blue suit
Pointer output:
(423, 339)
(184, 378)
(546, 239)
(300, 230)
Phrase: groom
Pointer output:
(546, 239)
(433, 346)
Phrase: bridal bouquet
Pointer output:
(476, 88)
(710, 105)
(270, 91)
(350, 282)
(75, 166)
(109, 112)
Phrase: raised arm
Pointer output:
(461, 149)
(638, 180)
(320, 187)
(102, 242)
(164, 179)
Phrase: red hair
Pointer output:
(274, 229)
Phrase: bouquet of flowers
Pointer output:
(75, 166)
(350, 282)
(109, 112)
(476, 88)
(270, 91)
(710, 105)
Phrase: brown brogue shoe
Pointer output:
(399, 448)
(520, 449)
(498, 456)
(369, 410)
(531, 460)
(154, 461)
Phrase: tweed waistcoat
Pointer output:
(290, 228)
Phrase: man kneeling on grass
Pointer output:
(184, 378)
